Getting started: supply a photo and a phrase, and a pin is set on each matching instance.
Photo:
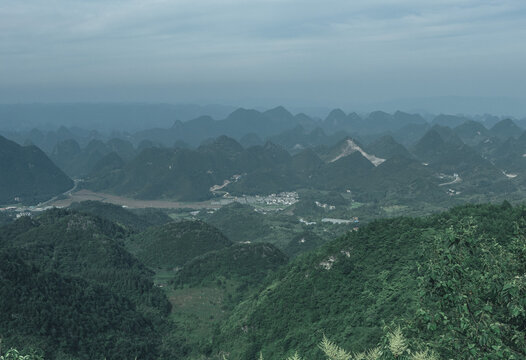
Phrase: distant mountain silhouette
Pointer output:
(506, 128)
(27, 175)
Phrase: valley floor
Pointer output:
(83, 195)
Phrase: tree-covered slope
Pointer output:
(27, 175)
(79, 162)
(126, 218)
(455, 281)
(238, 222)
(248, 263)
(86, 246)
(68, 317)
(75, 290)
(171, 245)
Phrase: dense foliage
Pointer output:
(27, 175)
(454, 280)
(123, 217)
(473, 290)
(453, 283)
(246, 263)
(239, 222)
(171, 245)
(86, 246)
(64, 315)
(78, 292)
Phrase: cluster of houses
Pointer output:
(354, 220)
(284, 198)
(23, 211)
(281, 200)
(325, 206)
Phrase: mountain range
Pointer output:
(286, 152)
(383, 169)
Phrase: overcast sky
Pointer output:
(261, 53)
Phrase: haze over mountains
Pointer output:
(251, 152)
(81, 119)
(27, 175)
(271, 238)
(355, 189)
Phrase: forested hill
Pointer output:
(86, 246)
(454, 281)
(75, 291)
(27, 175)
(69, 317)
(132, 221)
(171, 245)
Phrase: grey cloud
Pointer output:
(290, 49)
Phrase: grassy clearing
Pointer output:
(197, 310)
(393, 210)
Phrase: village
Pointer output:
(20, 211)
(268, 202)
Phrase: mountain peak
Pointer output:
(449, 120)
(278, 112)
(447, 134)
(506, 128)
(387, 147)
(335, 114)
(243, 113)
(223, 143)
(349, 146)
(28, 175)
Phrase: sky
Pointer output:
(334, 53)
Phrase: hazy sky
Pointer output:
(290, 52)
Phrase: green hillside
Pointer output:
(76, 291)
(453, 281)
(247, 263)
(79, 162)
(472, 132)
(401, 180)
(386, 147)
(241, 223)
(27, 175)
(137, 220)
(238, 222)
(171, 245)
(76, 244)
(505, 129)
(68, 317)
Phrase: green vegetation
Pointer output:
(171, 245)
(241, 223)
(473, 290)
(6, 217)
(208, 287)
(14, 354)
(454, 281)
(77, 293)
(100, 280)
(246, 263)
(394, 346)
(133, 221)
(63, 315)
(27, 175)
(82, 245)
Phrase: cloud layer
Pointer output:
(237, 50)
